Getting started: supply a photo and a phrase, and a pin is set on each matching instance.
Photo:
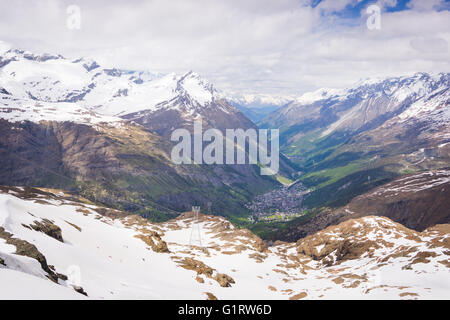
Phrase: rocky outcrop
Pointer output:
(24, 248)
(153, 239)
(210, 296)
(224, 280)
(46, 226)
(367, 237)
(197, 266)
(202, 269)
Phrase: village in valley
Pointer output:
(282, 204)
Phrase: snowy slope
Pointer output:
(363, 106)
(83, 86)
(397, 88)
(259, 100)
(112, 255)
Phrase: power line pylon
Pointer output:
(195, 238)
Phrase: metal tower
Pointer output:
(195, 238)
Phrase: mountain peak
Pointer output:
(106, 91)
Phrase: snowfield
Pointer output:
(45, 87)
(107, 254)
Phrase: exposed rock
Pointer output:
(73, 225)
(80, 290)
(406, 294)
(299, 296)
(224, 280)
(258, 257)
(202, 269)
(197, 266)
(340, 243)
(153, 239)
(46, 226)
(211, 296)
(25, 248)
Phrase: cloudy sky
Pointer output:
(279, 47)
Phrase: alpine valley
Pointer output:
(105, 134)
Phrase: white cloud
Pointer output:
(278, 47)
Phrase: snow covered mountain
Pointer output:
(257, 106)
(347, 142)
(103, 133)
(259, 100)
(57, 246)
(82, 87)
(367, 104)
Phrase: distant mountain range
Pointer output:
(257, 106)
(347, 142)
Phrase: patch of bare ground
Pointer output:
(402, 251)
(153, 239)
(422, 256)
(224, 280)
(229, 252)
(439, 234)
(197, 266)
(281, 243)
(272, 288)
(49, 228)
(287, 291)
(130, 220)
(73, 225)
(42, 201)
(173, 226)
(281, 271)
(408, 294)
(299, 296)
(259, 258)
(355, 238)
(341, 279)
(338, 240)
(385, 286)
(336, 270)
(441, 228)
(85, 212)
(112, 213)
(202, 269)
(205, 251)
(210, 296)
(445, 263)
